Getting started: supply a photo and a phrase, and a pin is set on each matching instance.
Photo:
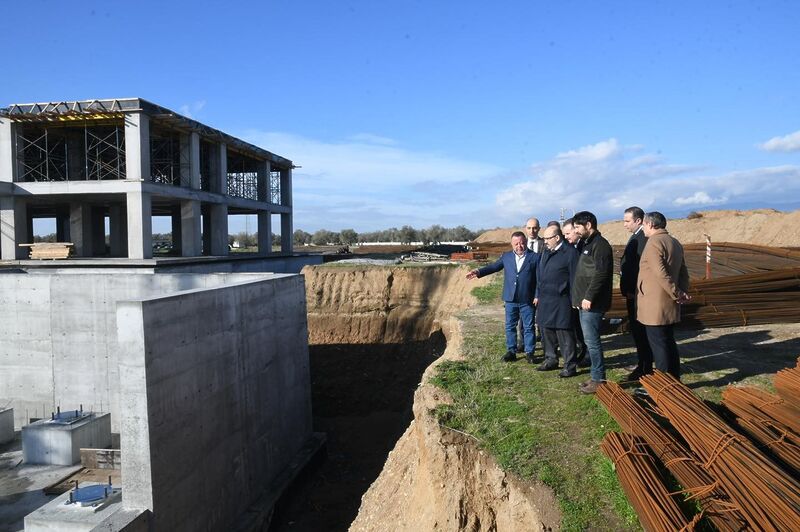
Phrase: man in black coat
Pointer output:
(553, 305)
(628, 273)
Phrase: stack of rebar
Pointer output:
(749, 299)
(642, 483)
(787, 383)
(768, 496)
(749, 402)
(697, 483)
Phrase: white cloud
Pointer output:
(369, 182)
(192, 109)
(608, 177)
(787, 143)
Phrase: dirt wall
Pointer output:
(439, 479)
(368, 305)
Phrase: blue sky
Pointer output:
(453, 112)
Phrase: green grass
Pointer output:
(489, 293)
(534, 424)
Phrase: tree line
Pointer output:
(404, 235)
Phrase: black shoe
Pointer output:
(634, 375)
(530, 358)
(564, 374)
(510, 356)
(547, 366)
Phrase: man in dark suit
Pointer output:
(628, 273)
(519, 285)
(553, 305)
(568, 229)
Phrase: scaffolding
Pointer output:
(72, 153)
(169, 164)
(242, 176)
(275, 187)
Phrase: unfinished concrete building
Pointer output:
(117, 163)
(198, 365)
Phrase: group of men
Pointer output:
(562, 282)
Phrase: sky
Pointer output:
(453, 112)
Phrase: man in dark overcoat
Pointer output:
(553, 307)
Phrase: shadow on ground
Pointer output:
(361, 397)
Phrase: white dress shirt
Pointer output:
(520, 259)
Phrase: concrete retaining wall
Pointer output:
(58, 336)
(216, 390)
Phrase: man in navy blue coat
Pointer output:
(519, 286)
(553, 305)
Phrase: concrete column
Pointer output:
(263, 181)
(286, 187)
(264, 232)
(8, 162)
(191, 238)
(13, 228)
(219, 230)
(194, 160)
(286, 233)
(62, 224)
(176, 228)
(80, 229)
(221, 179)
(98, 231)
(117, 228)
(205, 211)
(137, 146)
(140, 228)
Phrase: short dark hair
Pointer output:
(656, 219)
(568, 221)
(636, 212)
(584, 217)
(518, 233)
(553, 223)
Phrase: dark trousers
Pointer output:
(552, 339)
(643, 352)
(665, 350)
(580, 345)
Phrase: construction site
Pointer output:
(266, 391)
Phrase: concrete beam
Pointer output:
(137, 147)
(140, 229)
(191, 237)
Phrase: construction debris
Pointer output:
(49, 250)
(421, 256)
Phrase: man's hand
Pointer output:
(535, 301)
(683, 297)
(473, 274)
(586, 304)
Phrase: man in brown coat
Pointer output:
(661, 289)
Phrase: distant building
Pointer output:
(123, 161)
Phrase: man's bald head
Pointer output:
(532, 227)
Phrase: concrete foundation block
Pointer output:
(59, 441)
(6, 425)
(59, 516)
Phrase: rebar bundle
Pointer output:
(638, 474)
(748, 402)
(784, 444)
(768, 496)
(787, 384)
(634, 419)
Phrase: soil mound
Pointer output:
(766, 227)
